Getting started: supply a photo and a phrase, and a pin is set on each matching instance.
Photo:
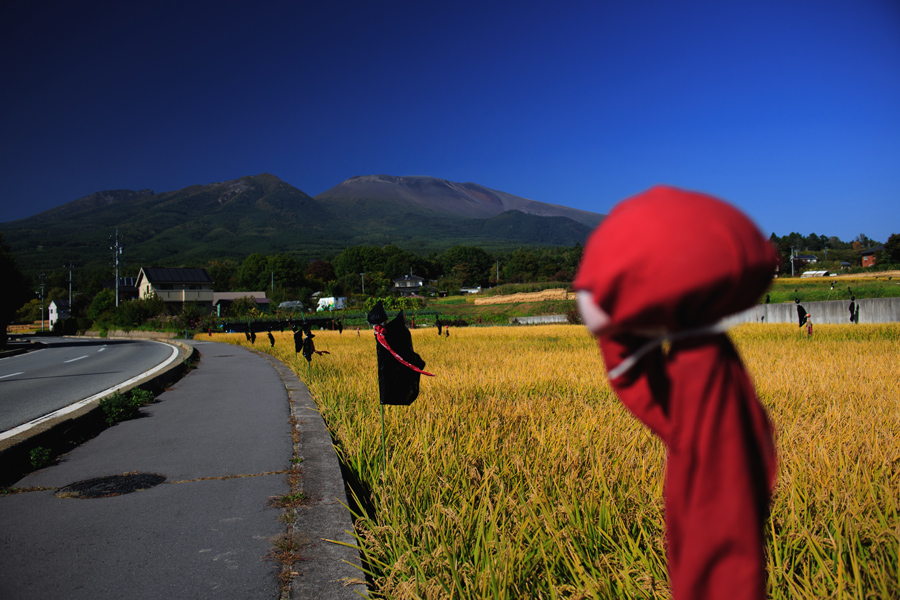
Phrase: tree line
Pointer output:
(831, 252)
(358, 270)
(369, 271)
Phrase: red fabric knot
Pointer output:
(379, 335)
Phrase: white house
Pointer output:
(58, 309)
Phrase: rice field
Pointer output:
(517, 473)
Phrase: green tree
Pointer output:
(250, 276)
(470, 264)
(359, 259)
(29, 312)
(224, 273)
(103, 302)
(320, 271)
(892, 249)
(241, 307)
(16, 290)
(284, 271)
(520, 267)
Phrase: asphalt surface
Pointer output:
(67, 370)
(221, 436)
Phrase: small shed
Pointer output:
(222, 300)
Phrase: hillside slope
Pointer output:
(445, 197)
(261, 213)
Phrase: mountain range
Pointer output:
(262, 213)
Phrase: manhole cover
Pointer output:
(113, 485)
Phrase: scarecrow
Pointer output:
(399, 367)
(298, 340)
(309, 348)
(668, 264)
(801, 312)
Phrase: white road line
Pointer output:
(74, 359)
(102, 349)
(12, 375)
(73, 407)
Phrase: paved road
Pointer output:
(222, 439)
(68, 370)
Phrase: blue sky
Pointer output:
(789, 109)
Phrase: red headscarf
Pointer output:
(673, 263)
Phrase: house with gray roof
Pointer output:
(177, 287)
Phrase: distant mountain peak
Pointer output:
(468, 200)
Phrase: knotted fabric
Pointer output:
(669, 264)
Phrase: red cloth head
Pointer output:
(676, 260)
(673, 259)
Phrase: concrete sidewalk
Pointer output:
(222, 439)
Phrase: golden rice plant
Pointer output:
(518, 474)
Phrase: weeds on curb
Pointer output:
(121, 407)
(293, 500)
(10, 491)
(40, 457)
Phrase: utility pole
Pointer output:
(363, 277)
(42, 301)
(117, 250)
(71, 266)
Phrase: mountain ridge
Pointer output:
(262, 213)
(461, 199)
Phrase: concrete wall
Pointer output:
(541, 320)
(874, 310)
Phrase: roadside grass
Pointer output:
(121, 407)
(517, 473)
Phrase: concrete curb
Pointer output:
(18, 351)
(132, 335)
(61, 434)
(330, 566)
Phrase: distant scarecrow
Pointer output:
(854, 310)
(309, 348)
(298, 340)
(696, 396)
(801, 312)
